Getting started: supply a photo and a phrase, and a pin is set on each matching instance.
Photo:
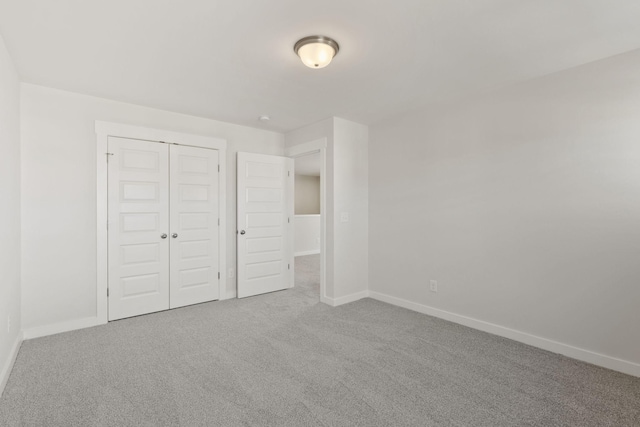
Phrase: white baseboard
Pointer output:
(303, 253)
(8, 366)
(334, 302)
(602, 360)
(57, 328)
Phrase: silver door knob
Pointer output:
(174, 235)
(163, 236)
(242, 231)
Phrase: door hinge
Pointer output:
(107, 292)
(288, 173)
(288, 266)
(218, 168)
(289, 220)
(218, 275)
(218, 222)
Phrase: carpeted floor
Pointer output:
(284, 359)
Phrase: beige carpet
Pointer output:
(284, 359)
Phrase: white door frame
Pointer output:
(315, 146)
(106, 129)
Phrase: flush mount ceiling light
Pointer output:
(316, 51)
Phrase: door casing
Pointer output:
(103, 131)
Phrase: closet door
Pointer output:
(194, 227)
(138, 227)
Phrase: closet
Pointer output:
(163, 228)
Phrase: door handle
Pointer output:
(174, 235)
(242, 231)
(163, 236)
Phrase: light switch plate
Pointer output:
(433, 285)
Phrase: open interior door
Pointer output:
(265, 224)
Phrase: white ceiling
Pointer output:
(233, 60)
(308, 165)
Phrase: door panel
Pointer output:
(138, 217)
(265, 211)
(194, 222)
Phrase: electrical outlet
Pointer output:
(231, 273)
(433, 285)
(9, 323)
(344, 217)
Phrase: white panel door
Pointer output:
(265, 224)
(194, 225)
(138, 226)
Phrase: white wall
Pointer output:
(346, 192)
(9, 213)
(307, 235)
(351, 196)
(307, 194)
(59, 195)
(524, 205)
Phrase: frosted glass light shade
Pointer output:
(316, 55)
(316, 51)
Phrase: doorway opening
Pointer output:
(310, 159)
(307, 224)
